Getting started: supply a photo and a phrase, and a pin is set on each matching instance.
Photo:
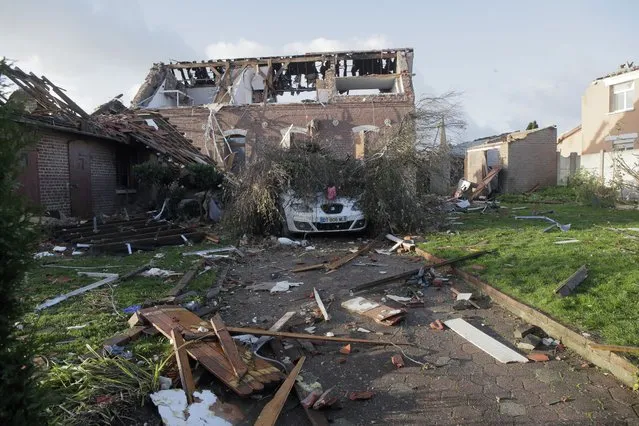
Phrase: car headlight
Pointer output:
(301, 207)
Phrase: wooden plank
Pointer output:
(344, 260)
(135, 272)
(261, 332)
(150, 242)
(126, 337)
(280, 322)
(409, 274)
(484, 183)
(186, 376)
(492, 347)
(309, 267)
(572, 282)
(320, 304)
(615, 348)
(228, 346)
(272, 410)
(185, 280)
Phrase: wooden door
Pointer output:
(29, 179)
(80, 179)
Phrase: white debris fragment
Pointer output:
(310, 330)
(398, 298)
(77, 253)
(463, 204)
(76, 327)
(43, 254)
(464, 296)
(288, 242)
(59, 249)
(247, 339)
(363, 330)
(201, 329)
(157, 272)
(282, 286)
(174, 411)
(567, 241)
(310, 248)
(159, 255)
(330, 334)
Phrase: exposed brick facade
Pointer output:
(528, 158)
(103, 177)
(266, 124)
(53, 167)
(532, 161)
(53, 172)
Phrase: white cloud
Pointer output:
(244, 48)
(241, 49)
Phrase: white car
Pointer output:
(321, 215)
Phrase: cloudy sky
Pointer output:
(513, 61)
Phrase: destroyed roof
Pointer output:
(568, 133)
(508, 137)
(623, 69)
(460, 148)
(46, 105)
(155, 132)
(292, 58)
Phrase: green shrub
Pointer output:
(592, 190)
(154, 173)
(202, 177)
(21, 402)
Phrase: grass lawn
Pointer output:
(99, 309)
(529, 266)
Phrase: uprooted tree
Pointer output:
(390, 180)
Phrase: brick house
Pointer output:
(528, 158)
(82, 164)
(343, 101)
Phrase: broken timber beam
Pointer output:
(615, 348)
(272, 410)
(260, 332)
(344, 260)
(572, 282)
(409, 274)
(182, 358)
(185, 280)
(228, 346)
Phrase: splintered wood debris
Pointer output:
(382, 314)
(210, 354)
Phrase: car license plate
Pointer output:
(332, 219)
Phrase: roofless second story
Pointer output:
(328, 77)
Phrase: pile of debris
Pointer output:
(122, 236)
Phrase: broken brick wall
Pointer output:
(333, 124)
(532, 161)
